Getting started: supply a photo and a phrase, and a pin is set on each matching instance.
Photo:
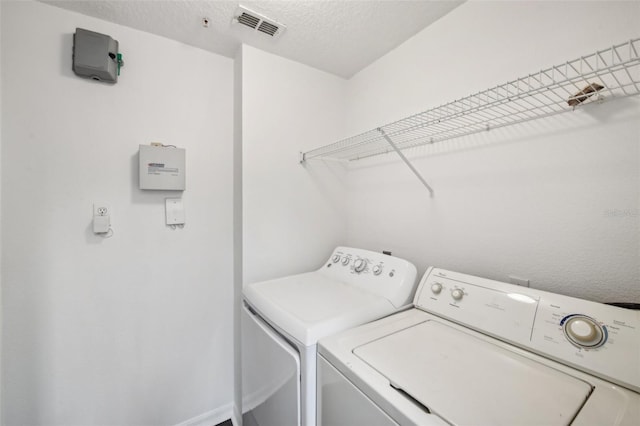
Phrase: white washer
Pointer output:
(480, 352)
(283, 319)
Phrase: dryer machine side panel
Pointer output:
(270, 375)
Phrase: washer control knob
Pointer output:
(457, 293)
(360, 265)
(345, 260)
(336, 258)
(377, 270)
(584, 331)
(436, 288)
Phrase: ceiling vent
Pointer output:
(258, 22)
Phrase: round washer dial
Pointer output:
(457, 293)
(583, 331)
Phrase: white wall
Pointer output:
(137, 328)
(294, 215)
(237, 237)
(555, 200)
(1, 304)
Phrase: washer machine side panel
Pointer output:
(270, 375)
(341, 403)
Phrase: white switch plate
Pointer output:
(174, 210)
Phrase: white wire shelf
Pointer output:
(601, 76)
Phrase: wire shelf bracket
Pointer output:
(604, 75)
(405, 160)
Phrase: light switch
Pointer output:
(174, 210)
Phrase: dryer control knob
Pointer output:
(360, 265)
(436, 288)
(377, 270)
(457, 293)
(336, 258)
(345, 260)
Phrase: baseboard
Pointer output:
(236, 417)
(212, 417)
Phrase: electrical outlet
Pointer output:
(519, 281)
(100, 209)
(101, 218)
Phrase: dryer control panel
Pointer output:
(384, 275)
(599, 339)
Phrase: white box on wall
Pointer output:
(162, 168)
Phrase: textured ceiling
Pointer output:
(340, 37)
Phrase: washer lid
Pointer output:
(466, 380)
(311, 306)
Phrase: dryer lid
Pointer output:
(311, 306)
(466, 380)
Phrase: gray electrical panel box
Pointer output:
(95, 56)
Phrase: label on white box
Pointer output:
(174, 210)
(162, 168)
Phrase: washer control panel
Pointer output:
(599, 339)
(378, 273)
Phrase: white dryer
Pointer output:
(480, 352)
(283, 319)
